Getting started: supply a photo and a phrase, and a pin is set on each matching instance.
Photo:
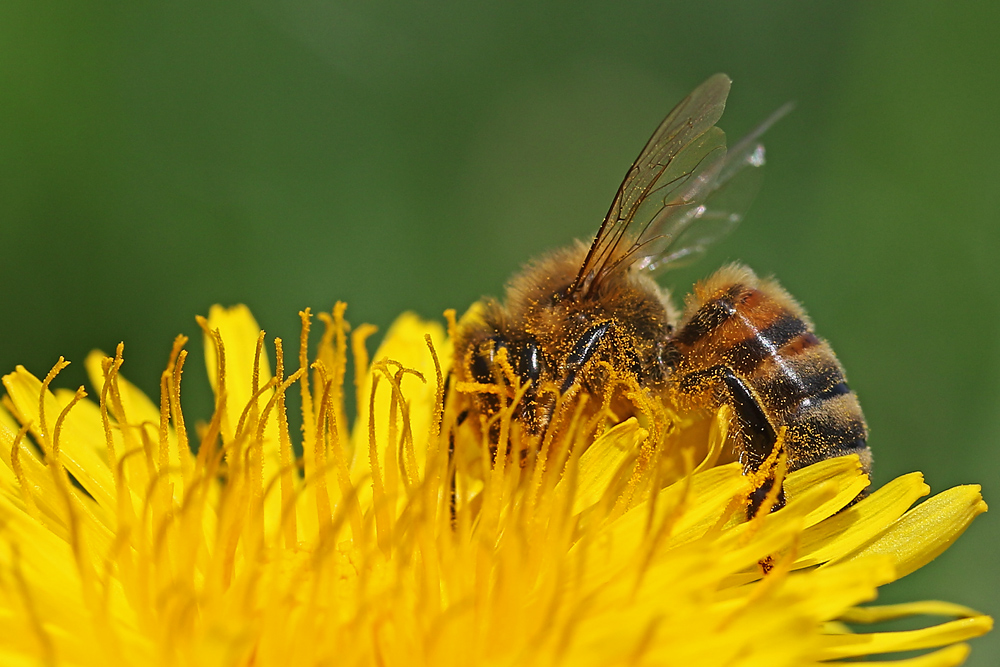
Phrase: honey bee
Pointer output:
(579, 320)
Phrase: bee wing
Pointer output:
(684, 191)
(686, 143)
(710, 206)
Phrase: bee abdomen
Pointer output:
(754, 337)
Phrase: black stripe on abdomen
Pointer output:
(838, 389)
(785, 387)
(746, 355)
(707, 319)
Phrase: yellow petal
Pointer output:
(603, 463)
(843, 471)
(860, 524)
(714, 489)
(921, 534)
(947, 657)
(892, 612)
(80, 438)
(849, 646)
(35, 492)
(848, 585)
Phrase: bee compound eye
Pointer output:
(530, 363)
(483, 361)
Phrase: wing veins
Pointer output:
(659, 222)
(696, 115)
(621, 222)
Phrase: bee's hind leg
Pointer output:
(756, 435)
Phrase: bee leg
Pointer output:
(758, 437)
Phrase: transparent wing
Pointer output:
(685, 144)
(684, 191)
(712, 205)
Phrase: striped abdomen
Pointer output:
(746, 342)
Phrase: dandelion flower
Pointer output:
(131, 537)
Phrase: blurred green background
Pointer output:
(156, 158)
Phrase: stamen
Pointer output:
(209, 452)
(258, 350)
(80, 394)
(221, 394)
(250, 410)
(382, 514)
(479, 388)
(502, 363)
(308, 414)
(43, 430)
(360, 353)
(438, 418)
(163, 430)
(774, 467)
(324, 510)
(259, 493)
(18, 470)
(541, 464)
(285, 455)
(110, 368)
(183, 445)
(138, 471)
(333, 353)
(348, 494)
(407, 459)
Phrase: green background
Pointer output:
(156, 158)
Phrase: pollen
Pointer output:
(397, 536)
